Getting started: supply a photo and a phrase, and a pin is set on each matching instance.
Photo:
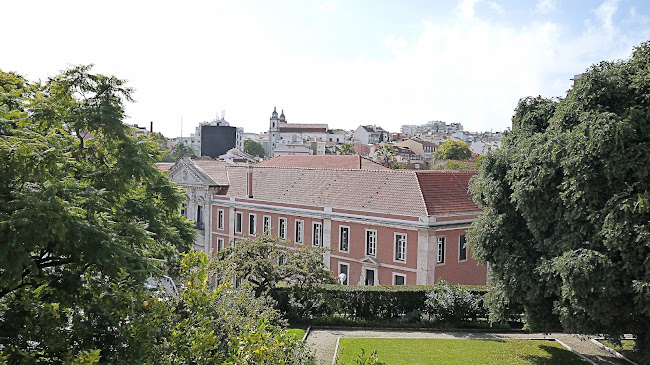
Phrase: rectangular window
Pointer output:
(399, 279)
(300, 234)
(282, 260)
(220, 244)
(183, 206)
(370, 277)
(400, 247)
(267, 225)
(371, 242)
(252, 227)
(344, 238)
(220, 219)
(344, 273)
(238, 222)
(282, 228)
(317, 234)
(441, 250)
(462, 248)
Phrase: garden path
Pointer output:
(323, 340)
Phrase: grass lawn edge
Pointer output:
(611, 350)
(579, 358)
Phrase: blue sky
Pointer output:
(344, 63)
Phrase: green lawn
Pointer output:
(627, 349)
(298, 332)
(393, 351)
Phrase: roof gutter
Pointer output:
(424, 222)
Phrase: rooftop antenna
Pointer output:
(181, 127)
(223, 114)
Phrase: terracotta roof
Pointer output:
(215, 169)
(301, 128)
(164, 166)
(425, 143)
(327, 161)
(381, 191)
(446, 191)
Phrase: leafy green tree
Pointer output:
(398, 166)
(387, 153)
(80, 202)
(346, 148)
(265, 264)
(85, 217)
(254, 148)
(455, 165)
(452, 149)
(566, 205)
(161, 141)
(179, 151)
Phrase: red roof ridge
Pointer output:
(326, 168)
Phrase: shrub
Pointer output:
(451, 303)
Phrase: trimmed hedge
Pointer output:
(367, 302)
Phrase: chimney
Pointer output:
(151, 127)
(249, 181)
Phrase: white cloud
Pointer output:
(605, 12)
(545, 6)
(195, 60)
(466, 8)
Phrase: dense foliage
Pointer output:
(85, 218)
(566, 201)
(384, 301)
(346, 148)
(452, 303)
(386, 153)
(254, 148)
(178, 151)
(289, 275)
(452, 149)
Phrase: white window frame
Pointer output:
(399, 255)
(341, 228)
(440, 250)
(282, 228)
(220, 218)
(299, 233)
(266, 224)
(375, 275)
(239, 222)
(252, 224)
(373, 242)
(461, 248)
(317, 234)
(220, 244)
(395, 275)
(347, 275)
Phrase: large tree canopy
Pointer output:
(254, 148)
(78, 192)
(566, 201)
(452, 149)
(85, 218)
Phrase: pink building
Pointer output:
(382, 227)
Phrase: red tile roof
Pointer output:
(164, 166)
(400, 192)
(380, 191)
(215, 169)
(446, 191)
(302, 128)
(326, 162)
